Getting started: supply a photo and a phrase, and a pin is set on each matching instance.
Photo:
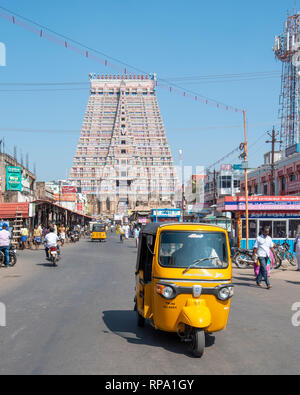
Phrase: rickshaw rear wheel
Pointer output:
(198, 342)
(140, 320)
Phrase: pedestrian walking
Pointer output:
(37, 237)
(136, 236)
(122, 233)
(24, 237)
(262, 248)
(297, 248)
(126, 231)
(5, 243)
(62, 235)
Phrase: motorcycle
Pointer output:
(12, 257)
(54, 257)
(242, 258)
(72, 237)
(76, 235)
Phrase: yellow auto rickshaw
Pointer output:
(98, 232)
(184, 280)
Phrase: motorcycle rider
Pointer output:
(4, 243)
(51, 240)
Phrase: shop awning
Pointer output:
(10, 210)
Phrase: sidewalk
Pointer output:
(285, 272)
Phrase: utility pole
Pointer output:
(215, 187)
(273, 142)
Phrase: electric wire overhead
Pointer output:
(90, 53)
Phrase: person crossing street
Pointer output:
(262, 248)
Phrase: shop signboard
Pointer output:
(13, 178)
(66, 189)
(65, 197)
(293, 149)
(263, 203)
(166, 213)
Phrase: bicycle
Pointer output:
(284, 253)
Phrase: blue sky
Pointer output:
(175, 39)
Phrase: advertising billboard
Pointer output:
(66, 189)
(13, 178)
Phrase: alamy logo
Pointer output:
(2, 315)
(2, 55)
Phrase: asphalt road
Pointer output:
(79, 319)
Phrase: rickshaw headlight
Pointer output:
(225, 293)
(166, 291)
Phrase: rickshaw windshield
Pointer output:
(205, 250)
(98, 228)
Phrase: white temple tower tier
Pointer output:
(123, 157)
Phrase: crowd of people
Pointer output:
(34, 239)
(126, 231)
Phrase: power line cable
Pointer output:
(171, 87)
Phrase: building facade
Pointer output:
(123, 157)
(225, 182)
(18, 184)
(286, 177)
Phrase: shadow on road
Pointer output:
(293, 282)
(123, 324)
(45, 264)
(244, 278)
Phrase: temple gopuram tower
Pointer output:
(123, 159)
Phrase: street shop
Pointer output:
(280, 213)
(47, 212)
(40, 212)
(165, 215)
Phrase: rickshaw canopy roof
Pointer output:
(152, 229)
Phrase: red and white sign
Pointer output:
(68, 189)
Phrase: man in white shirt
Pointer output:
(4, 243)
(51, 240)
(262, 248)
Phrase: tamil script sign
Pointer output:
(263, 203)
(13, 178)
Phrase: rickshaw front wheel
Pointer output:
(198, 342)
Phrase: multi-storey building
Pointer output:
(17, 183)
(123, 157)
(226, 182)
